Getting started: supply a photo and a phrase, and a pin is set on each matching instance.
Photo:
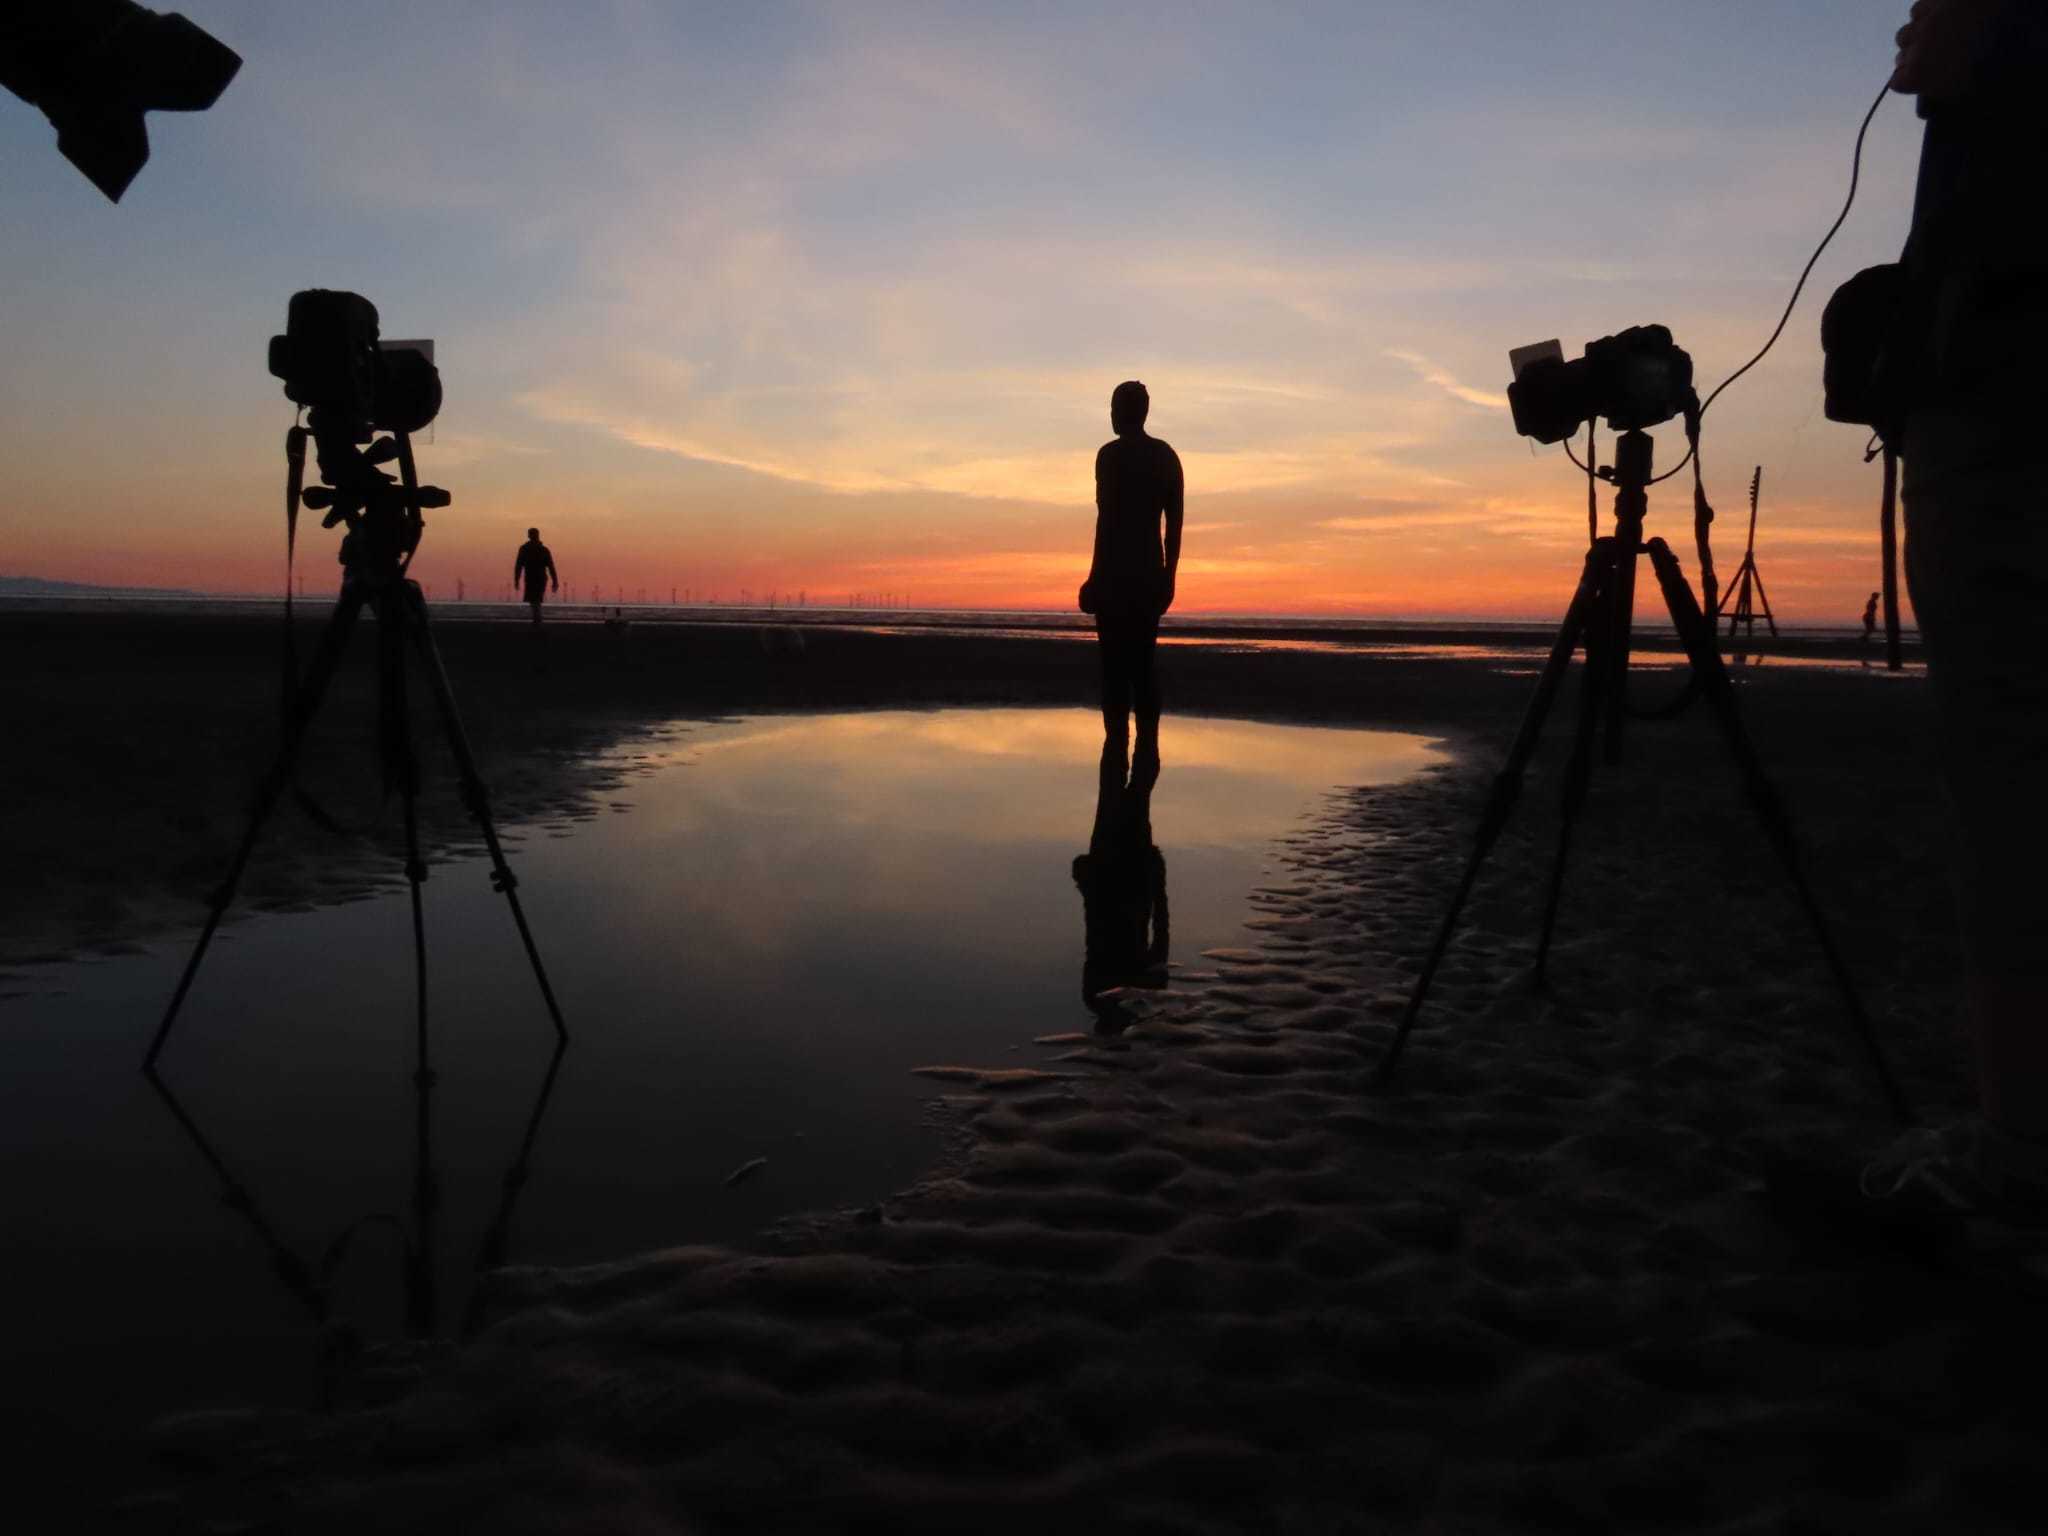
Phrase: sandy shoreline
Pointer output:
(1583, 1268)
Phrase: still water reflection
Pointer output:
(754, 944)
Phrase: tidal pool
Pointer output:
(754, 943)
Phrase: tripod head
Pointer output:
(1629, 474)
(382, 515)
(1634, 454)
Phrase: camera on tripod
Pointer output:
(353, 387)
(1635, 378)
(329, 359)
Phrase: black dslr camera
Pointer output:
(1635, 379)
(330, 360)
(353, 388)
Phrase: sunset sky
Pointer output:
(832, 297)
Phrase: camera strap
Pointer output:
(1592, 484)
(1702, 518)
(1888, 538)
(409, 476)
(294, 487)
(294, 482)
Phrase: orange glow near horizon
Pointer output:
(1816, 572)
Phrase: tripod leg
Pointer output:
(1620, 620)
(421, 1303)
(1894, 658)
(1765, 598)
(1770, 810)
(1507, 788)
(1731, 592)
(292, 1270)
(318, 675)
(490, 1252)
(476, 797)
(1633, 456)
(1578, 775)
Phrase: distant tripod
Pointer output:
(1748, 576)
(1600, 617)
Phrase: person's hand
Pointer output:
(1086, 599)
(1166, 594)
(1939, 44)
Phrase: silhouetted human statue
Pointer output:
(1131, 577)
(1977, 565)
(1870, 618)
(534, 566)
(1122, 880)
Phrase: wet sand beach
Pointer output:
(1594, 1261)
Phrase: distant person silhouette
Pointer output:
(1870, 618)
(1131, 577)
(1977, 568)
(534, 566)
(1122, 880)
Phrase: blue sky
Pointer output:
(832, 296)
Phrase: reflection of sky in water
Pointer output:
(794, 913)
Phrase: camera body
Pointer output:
(352, 387)
(330, 361)
(1635, 378)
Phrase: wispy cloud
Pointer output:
(1444, 380)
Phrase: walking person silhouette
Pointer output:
(1130, 583)
(535, 567)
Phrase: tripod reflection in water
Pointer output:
(1122, 880)
(311, 1285)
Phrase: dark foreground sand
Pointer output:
(1595, 1262)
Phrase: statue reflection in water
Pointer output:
(1122, 880)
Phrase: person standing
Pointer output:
(534, 567)
(1977, 566)
(1870, 618)
(1138, 486)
